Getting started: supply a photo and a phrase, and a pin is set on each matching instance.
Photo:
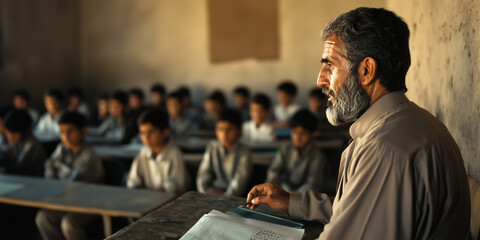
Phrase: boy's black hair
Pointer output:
(137, 92)
(217, 96)
(75, 91)
(104, 96)
(74, 118)
(55, 93)
(289, 87)
(23, 94)
(231, 116)
(317, 94)
(120, 96)
(158, 88)
(17, 120)
(243, 91)
(184, 91)
(176, 95)
(305, 119)
(262, 100)
(157, 117)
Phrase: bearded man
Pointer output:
(402, 176)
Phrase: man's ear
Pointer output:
(367, 71)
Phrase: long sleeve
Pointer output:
(205, 175)
(134, 179)
(177, 175)
(238, 184)
(310, 205)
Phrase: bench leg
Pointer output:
(107, 225)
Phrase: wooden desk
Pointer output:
(80, 197)
(175, 218)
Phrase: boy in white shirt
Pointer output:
(159, 166)
(179, 124)
(284, 110)
(259, 128)
(47, 127)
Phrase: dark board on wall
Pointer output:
(243, 29)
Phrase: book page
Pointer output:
(218, 225)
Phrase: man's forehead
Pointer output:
(333, 48)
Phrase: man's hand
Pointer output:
(268, 193)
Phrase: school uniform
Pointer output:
(166, 170)
(263, 133)
(295, 171)
(228, 171)
(84, 165)
(47, 127)
(25, 158)
(283, 114)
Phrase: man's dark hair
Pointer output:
(231, 116)
(375, 33)
(217, 96)
(243, 91)
(17, 121)
(120, 96)
(305, 119)
(317, 93)
(262, 100)
(288, 87)
(158, 88)
(23, 94)
(74, 118)
(55, 93)
(157, 117)
(75, 91)
(137, 92)
(176, 95)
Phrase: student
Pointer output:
(158, 95)
(284, 110)
(102, 110)
(226, 164)
(159, 165)
(116, 127)
(299, 164)
(317, 103)
(21, 100)
(135, 106)
(241, 97)
(76, 101)
(47, 127)
(191, 111)
(25, 155)
(179, 124)
(3, 139)
(259, 128)
(73, 160)
(213, 105)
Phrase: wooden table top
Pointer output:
(174, 219)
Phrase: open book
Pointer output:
(218, 225)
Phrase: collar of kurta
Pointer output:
(159, 157)
(380, 107)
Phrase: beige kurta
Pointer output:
(166, 170)
(402, 177)
(229, 171)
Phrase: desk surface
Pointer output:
(79, 197)
(175, 218)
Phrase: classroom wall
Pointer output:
(128, 43)
(40, 48)
(443, 78)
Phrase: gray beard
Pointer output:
(352, 101)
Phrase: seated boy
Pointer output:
(191, 111)
(226, 164)
(299, 164)
(76, 101)
(117, 127)
(158, 96)
(159, 166)
(21, 100)
(179, 124)
(73, 160)
(102, 110)
(259, 128)
(286, 107)
(25, 155)
(213, 105)
(241, 96)
(3, 138)
(47, 127)
(317, 103)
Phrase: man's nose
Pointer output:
(322, 80)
